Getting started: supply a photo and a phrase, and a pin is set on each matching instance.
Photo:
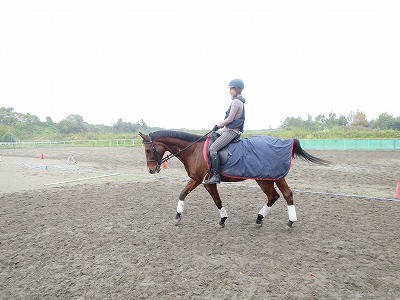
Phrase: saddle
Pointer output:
(224, 153)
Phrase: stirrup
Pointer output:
(214, 179)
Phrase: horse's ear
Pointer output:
(143, 136)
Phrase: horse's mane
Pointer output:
(178, 135)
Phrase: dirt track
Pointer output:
(114, 237)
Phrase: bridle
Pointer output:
(156, 155)
(158, 159)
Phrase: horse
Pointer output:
(188, 148)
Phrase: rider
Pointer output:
(232, 127)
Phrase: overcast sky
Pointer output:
(168, 62)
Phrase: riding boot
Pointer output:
(216, 178)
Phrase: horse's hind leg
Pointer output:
(288, 195)
(272, 195)
(212, 189)
(190, 186)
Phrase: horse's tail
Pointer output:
(299, 152)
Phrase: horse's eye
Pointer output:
(148, 151)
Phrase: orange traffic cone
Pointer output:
(163, 165)
(42, 156)
(398, 189)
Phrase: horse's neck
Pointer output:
(174, 146)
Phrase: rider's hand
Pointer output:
(215, 128)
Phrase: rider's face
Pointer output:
(232, 91)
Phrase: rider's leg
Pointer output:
(226, 137)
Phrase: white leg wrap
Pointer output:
(292, 213)
(265, 210)
(222, 212)
(181, 206)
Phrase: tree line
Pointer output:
(354, 119)
(17, 126)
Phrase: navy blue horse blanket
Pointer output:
(261, 157)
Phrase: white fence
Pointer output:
(76, 143)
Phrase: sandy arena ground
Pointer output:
(114, 237)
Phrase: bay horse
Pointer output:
(188, 148)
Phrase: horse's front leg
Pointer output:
(190, 186)
(212, 189)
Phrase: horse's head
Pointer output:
(154, 152)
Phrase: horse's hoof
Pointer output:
(222, 222)
(259, 220)
(178, 218)
(290, 225)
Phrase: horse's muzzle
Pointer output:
(154, 170)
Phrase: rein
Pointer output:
(171, 155)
